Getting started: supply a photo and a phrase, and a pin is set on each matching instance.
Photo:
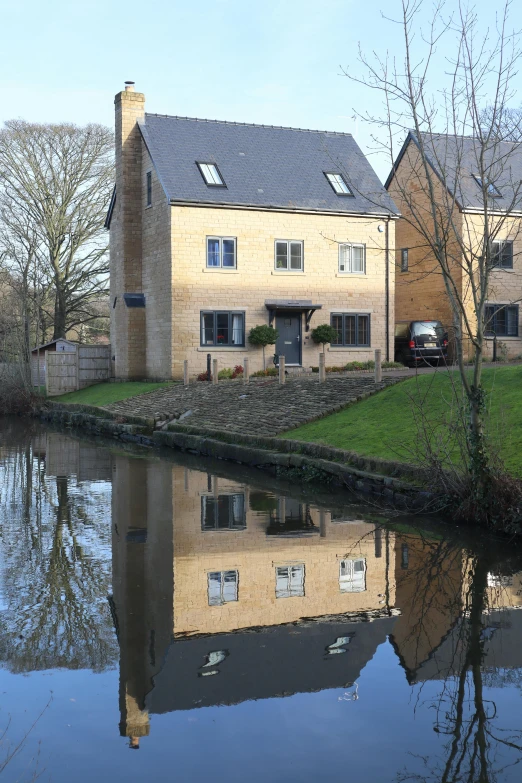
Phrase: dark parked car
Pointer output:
(420, 342)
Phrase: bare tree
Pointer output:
(457, 181)
(55, 185)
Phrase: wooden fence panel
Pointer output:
(61, 374)
(94, 364)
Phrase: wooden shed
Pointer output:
(38, 369)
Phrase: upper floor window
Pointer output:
(502, 254)
(352, 576)
(289, 254)
(222, 587)
(149, 188)
(502, 320)
(492, 190)
(353, 329)
(211, 174)
(338, 183)
(352, 259)
(404, 259)
(222, 328)
(221, 252)
(224, 512)
(290, 581)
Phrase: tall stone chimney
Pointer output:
(127, 323)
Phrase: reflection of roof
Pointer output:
(262, 664)
(262, 166)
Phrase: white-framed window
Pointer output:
(289, 255)
(352, 575)
(290, 581)
(352, 258)
(221, 252)
(222, 587)
(338, 183)
(211, 174)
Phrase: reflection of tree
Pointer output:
(55, 573)
(475, 751)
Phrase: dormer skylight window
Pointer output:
(491, 189)
(211, 175)
(338, 184)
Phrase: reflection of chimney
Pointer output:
(134, 722)
(127, 324)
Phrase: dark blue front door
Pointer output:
(288, 344)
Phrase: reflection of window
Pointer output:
(496, 580)
(352, 576)
(289, 581)
(212, 660)
(405, 556)
(222, 587)
(224, 512)
(291, 518)
(340, 645)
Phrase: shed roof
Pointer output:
(264, 167)
(53, 342)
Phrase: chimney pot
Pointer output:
(129, 86)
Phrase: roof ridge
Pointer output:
(246, 124)
(434, 134)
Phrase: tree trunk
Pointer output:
(60, 328)
(264, 363)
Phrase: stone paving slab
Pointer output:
(261, 407)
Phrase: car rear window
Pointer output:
(427, 329)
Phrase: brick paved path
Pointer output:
(262, 407)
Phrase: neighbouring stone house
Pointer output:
(458, 192)
(216, 227)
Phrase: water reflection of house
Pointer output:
(213, 581)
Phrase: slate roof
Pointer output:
(455, 159)
(262, 166)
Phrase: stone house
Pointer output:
(458, 190)
(216, 227)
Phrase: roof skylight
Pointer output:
(211, 174)
(491, 189)
(338, 184)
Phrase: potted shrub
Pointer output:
(263, 335)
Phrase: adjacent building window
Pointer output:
(222, 328)
(502, 254)
(352, 576)
(222, 587)
(404, 259)
(149, 188)
(221, 252)
(353, 329)
(352, 259)
(491, 189)
(338, 183)
(224, 512)
(502, 320)
(290, 581)
(289, 255)
(211, 175)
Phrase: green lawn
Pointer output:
(385, 425)
(105, 393)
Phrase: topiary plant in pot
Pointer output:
(323, 334)
(263, 335)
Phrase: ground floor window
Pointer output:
(222, 328)
(224, 512)
(290, 581)
(222, 587)
(353, 329)
(352, 576)
(502, 320)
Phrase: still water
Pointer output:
(174, 619)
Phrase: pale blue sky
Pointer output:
(266, 61)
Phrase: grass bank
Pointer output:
(384, 425)
(104, 393)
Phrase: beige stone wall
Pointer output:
(255, 556)
(157, 275)
(420, 292)
(197, 288)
